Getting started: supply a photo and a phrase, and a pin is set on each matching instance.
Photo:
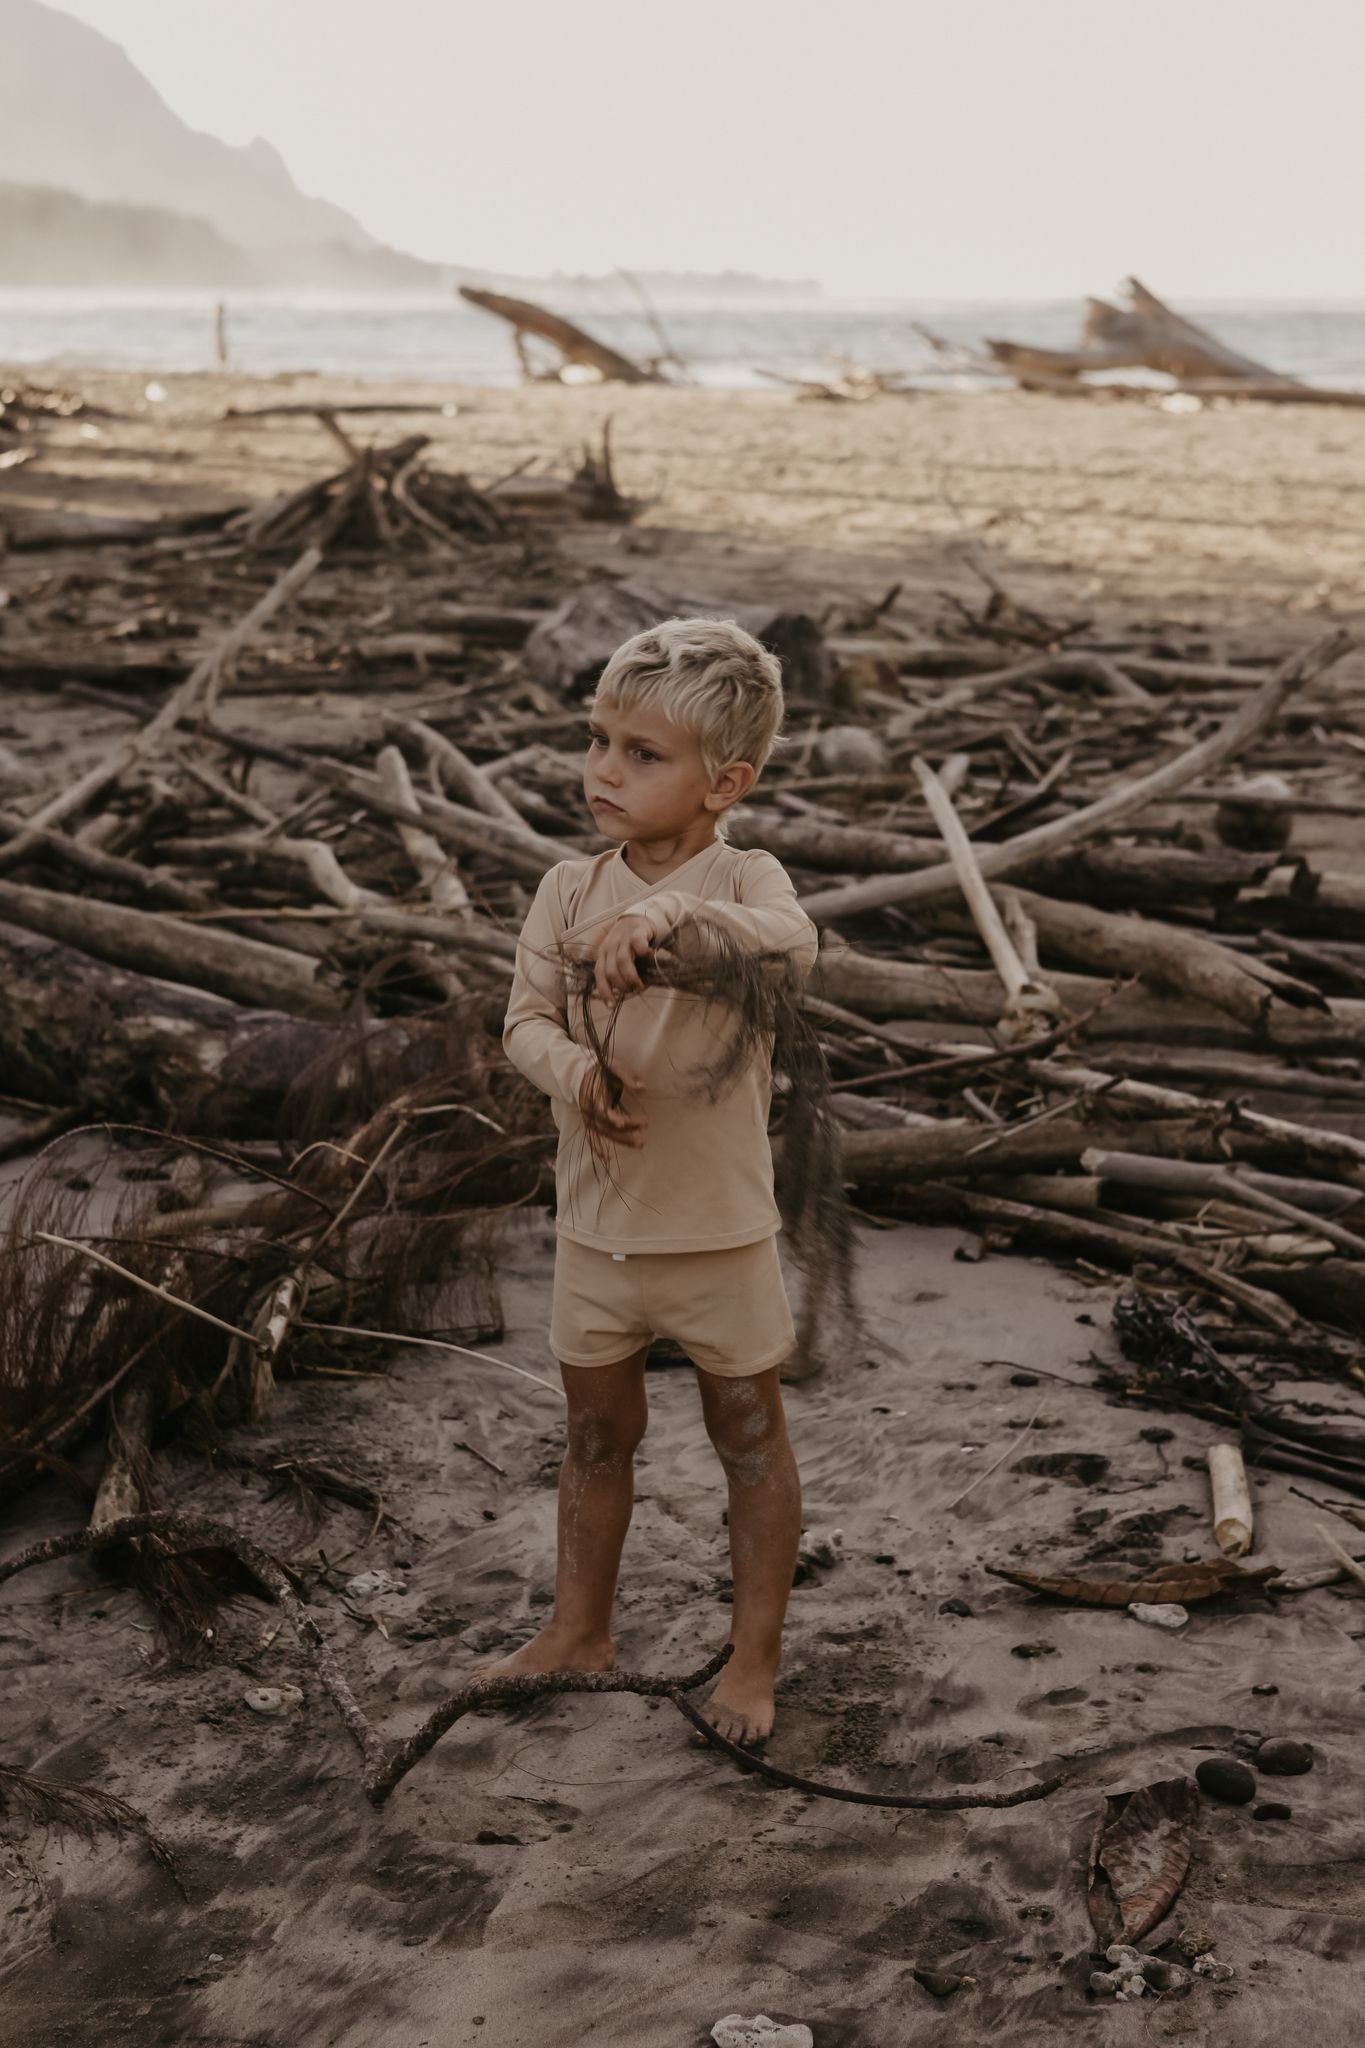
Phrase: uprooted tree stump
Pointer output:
(1148, 334)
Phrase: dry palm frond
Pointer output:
(72, 1332)
(49, 1802)
(403, 1145)
(761, 993)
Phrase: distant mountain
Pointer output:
(77, 116)
(102, 185)
(54, 239)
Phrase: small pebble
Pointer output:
(1195, 1941)
(1216, 1972)
(1284, 1757)
(821, 1550)
(954, 1606)
(1125, 1983)
(1274, 1809)
(1033, 1650)
(371, 1585)
(1222, 1777)
(850, 750)
(1133, 1973)
(1263, 1691)
(1256, 827)
(1159, 1613)
(938, 1983)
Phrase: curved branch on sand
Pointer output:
(386, 1764)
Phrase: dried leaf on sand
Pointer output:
(1184, 1584)
(1139, 1857)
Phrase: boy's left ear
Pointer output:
(731, 784)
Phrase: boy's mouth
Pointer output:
(602, 803)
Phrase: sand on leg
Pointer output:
(607, 1414)
(748, 1428)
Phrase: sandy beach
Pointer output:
(581, 1871)
(1236, 514)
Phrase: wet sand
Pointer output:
(581, 1871)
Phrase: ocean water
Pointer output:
(725, 344)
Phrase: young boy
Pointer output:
(666, 1218)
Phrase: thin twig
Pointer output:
(994, 1057)
(190, 1308)
(1004, 1458)
(1341, 1554)
(460, 1444)
(436, 1344)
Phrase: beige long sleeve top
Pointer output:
(703, 1178)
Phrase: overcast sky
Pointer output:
(889, 148)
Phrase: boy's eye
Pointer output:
(596, 739)
(643, 754)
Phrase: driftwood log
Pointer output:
(573, 343)
(78, 1032)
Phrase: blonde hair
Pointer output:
(710, 677)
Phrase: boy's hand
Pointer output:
(616, 953)
(604, 1123)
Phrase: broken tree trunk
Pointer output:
(880, 988)
(573, 343)
(244, 970)
(960, 1148)
(1168, 958)
(77, 1032)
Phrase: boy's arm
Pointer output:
(767, 919)
(536, 1032)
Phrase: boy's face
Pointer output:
(644, 778)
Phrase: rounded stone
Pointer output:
(1222, 1777)
(851, 750)
(938, 1983)
(1274, 1809)
(1284, 1757)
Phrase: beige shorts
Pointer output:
(727, 1309)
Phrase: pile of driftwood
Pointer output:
(1088, 982)
(383, 500)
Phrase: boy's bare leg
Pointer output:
(608, 1410)
(745, 1422)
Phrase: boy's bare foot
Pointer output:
(553, 1649)
(741, 1707)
